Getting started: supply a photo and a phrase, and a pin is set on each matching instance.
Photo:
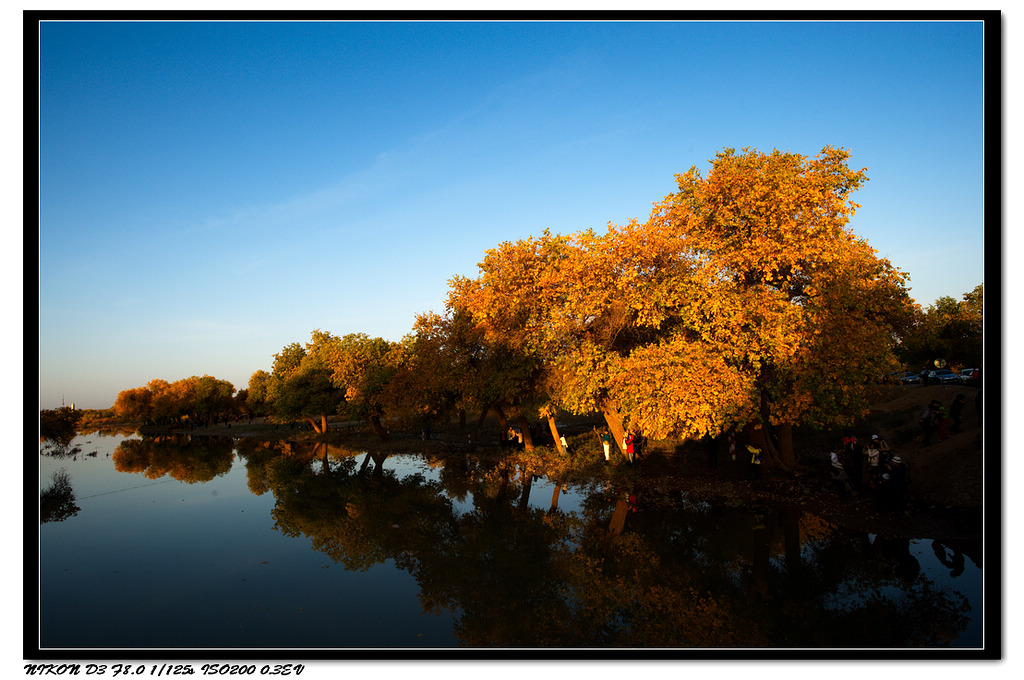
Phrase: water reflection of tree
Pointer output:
(187, 459)
(670, 575)
(356, 512)
(57, 429)
(57, 501)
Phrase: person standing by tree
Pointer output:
(755, 461)
(839, 474)
(627, 444)
(606, 442)
(639, 444)
(884, 451)
(871, 455)
(881, 444)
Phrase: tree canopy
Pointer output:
(950, 330)
(744, 298)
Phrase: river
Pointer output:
(190, 543)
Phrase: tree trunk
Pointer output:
(769, 450)
(618, 522)
(502, 420)
(462, 418)
(554, 496)
(378, 460)
(313, 424)
(503, 488)
(502, 425)
(483, 417)
(527, 437)
(374, 422)
(319, 450)
(614, 421)
(786, 453)
(524, 497)
(554, 433)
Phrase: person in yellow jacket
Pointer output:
(755, 461)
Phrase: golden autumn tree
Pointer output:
(135, 404)
(160, 401)
(510, 309)
(488, 362)
(802, 308)
(743, 299)
(628, 348)
(577, 306)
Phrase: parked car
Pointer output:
(907, 377)
(943, 375)
(970, 376)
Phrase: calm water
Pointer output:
(221, 543)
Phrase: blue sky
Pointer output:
(210, 192)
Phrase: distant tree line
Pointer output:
(190, 400)
(949, 329)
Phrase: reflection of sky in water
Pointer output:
(968, 584)
(90, 473)
(569, 498)
(208, 558)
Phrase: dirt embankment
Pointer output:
(945, 495)
(945, 473)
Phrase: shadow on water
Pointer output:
(513, 555)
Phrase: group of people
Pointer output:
(512, 438)
(872, 467)
(935, 419)
(632, 444)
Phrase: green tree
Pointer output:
(949, 329)
(300, 384)
(258, 393)
(362, 367)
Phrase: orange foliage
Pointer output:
(744, 297)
